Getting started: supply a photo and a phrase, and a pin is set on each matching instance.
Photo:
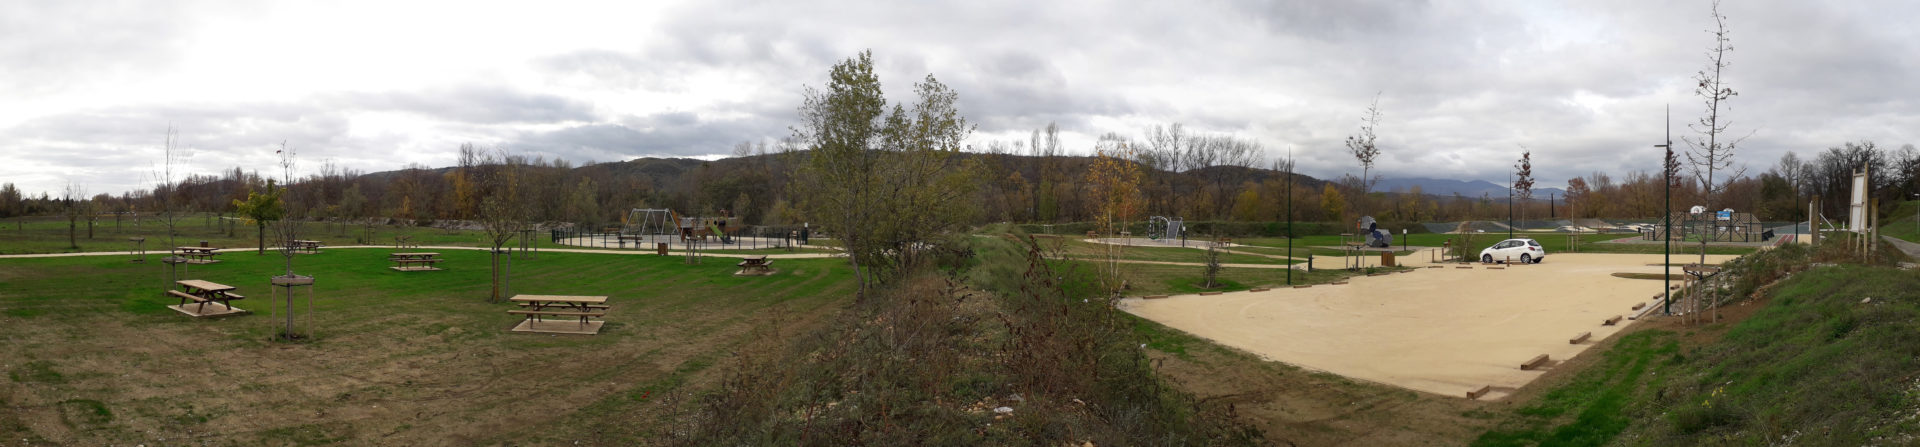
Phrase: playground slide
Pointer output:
(724, 239)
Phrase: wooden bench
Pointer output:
(185, 297)
(588, 306)
(560, 313)
(1481, 391)
(1535, 363)
(1581, 338)
(1611, 321)
(536, 314)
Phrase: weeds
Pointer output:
(998, 347)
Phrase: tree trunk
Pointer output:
(70, 233)
(261, 232)
(494, 255)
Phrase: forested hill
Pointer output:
(1013, 188)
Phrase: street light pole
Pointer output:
(1666, 183)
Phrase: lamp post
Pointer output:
(1666, 184)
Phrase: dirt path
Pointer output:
(1911, 249)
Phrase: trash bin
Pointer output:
(1386, 259)
(203, 244)
(660, 248)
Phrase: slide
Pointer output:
(724, 239)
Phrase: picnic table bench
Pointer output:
(755, 265)
(197, 255)
(537, 307)
(307, 246)
(414, 262)
(200, 293)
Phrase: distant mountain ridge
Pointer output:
(1445, 187)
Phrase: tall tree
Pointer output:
(503, 213)
(1115, 181)
(1710, 151)
(841, 125)
(1523, 179)
(884, 183)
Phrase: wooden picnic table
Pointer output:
(754, 265)
(197, 255)
(414, 262)
(203, 292)
(537, 307)
(307, 246)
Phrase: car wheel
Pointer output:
(1486, 259)
(1526, 259)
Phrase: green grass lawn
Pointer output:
(400, 357)
(1816, 366)
(1900, 222)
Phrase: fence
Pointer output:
(747, 238)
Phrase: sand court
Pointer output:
(1440, 330)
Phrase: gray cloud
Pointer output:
(474, 104)
(1461, 84)
(672, 134)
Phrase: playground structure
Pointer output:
(1165, 230)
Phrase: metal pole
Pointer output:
(1666, 180)
(1290, 214)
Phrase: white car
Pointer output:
(1524, 250)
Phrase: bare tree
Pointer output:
(503, 213)
(73, 200)
(166, 191)
(1709, 152)
(1361, 144)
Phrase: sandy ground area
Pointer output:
(1440, 330)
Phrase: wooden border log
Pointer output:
(1580, 338)
(1482, 391)
(1611, 321)
(1536, 362)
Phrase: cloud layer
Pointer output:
(93, 86)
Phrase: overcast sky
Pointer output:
(88, 88)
